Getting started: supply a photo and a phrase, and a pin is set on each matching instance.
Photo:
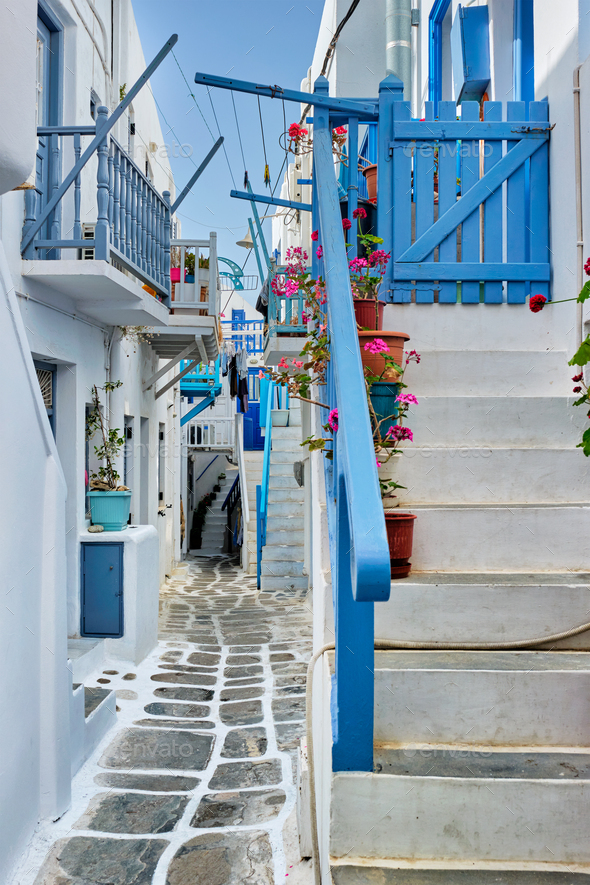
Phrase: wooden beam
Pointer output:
(170, 365)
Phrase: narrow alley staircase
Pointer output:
(283, 555)
(215, 530)
(481, 756)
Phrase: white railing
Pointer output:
(200, 294)
(211, 433)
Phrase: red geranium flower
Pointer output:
(359, 213)
(314, 235)
(537, 303)
(346, 223)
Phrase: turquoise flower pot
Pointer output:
(383, 398)
(110, 509)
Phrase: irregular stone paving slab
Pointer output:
(246, 713)
(230, 809)
(192, 711)
(243, 742)
(240, 672)
(171, 656)
(231, 858)
(192, 724)
(288, 709)
(290, 680)
(184, 678)
(159, 783)
(251, 681)
(204, 659)
(184, 694)
(285, 656)
(238, 660)
(241, 694)
(88, 860)
(237, 650)
(133, 813)
(232, 775)
(186, 668)
(140, 748)
(290, 690)
(288, 734)
(126, 694)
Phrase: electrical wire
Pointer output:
(266, 169)
(240, 139)
(223, 145)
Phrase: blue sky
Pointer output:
(265, 41)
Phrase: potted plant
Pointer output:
(109, 502)
(366, 276)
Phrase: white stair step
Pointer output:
(295, 419)
(279, 496)
(280, 457)
(494, 476)
(283, 538)
(279, 553)
(525, 698)
(284, 524)
(278, 584)
(285, 509)
(286, 445)
(504, 807)
(282, 468)
(282, 567)
(504, 538)
(291, 433)
(470, 608)
(446, 873)
(283, 482)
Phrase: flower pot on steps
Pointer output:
(280, 417)
(383, 399)
(387, 470)
(375, 362)
(364, 312)
(400, 536)
(110, 509)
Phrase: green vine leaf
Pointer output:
(582, 355)
(585, 293)
(585, 444)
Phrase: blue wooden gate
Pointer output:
(470, 199)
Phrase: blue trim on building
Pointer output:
(524, 51)
(435, 20)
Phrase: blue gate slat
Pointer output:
(424, 195)
(470, 227)
(539, 200)
(492, 210)
(447, 197)
(515, 214)
(391, 90)
(402, 198)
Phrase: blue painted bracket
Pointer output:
(197, 175)
(97, 141)
(273, 201)
(200, 407)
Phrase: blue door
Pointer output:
(253, 438)
(102, 589)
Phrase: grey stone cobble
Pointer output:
(195, 782)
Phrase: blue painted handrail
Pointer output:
(262, 490)
(359, 548)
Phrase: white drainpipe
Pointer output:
(579, 216)
(398, 42)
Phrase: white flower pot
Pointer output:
(280, 417)
(389, 471)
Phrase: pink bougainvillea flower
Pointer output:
(377, 346)
(399, 433)
(406, 398)
(537, 303)
(283, 364)
(346, 223)
(340, 130)
(378, 461)
(356, 264)
(413, 355)
(222, 315)
(297, 363)
(314, 235)
(322, 328)
(333, 420)
(319, 252)
(261, 374)
(359, 213)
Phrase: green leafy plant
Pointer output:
(122, 91)
(107, 477)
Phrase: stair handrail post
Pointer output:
(101, 231)
(167, 283)
(360, 555)
(391, 89)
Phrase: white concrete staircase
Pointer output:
(283, 555)
(214, 531)
(482, 758)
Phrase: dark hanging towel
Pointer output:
(233, 377)
(243, 394)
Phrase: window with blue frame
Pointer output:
(46, 373)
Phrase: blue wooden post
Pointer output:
(116, 198)
(424, 195)
(447, 197)
(54, 226)
(111, 191)
(320, 118)
(30, 216)
(134, 177)
(492, 208)
(166, 196)
(390, 89)
(515, 216)
(122, 204)
(470, 227)
(101, 232)
(128, 174)
(401, 216)
(77, 189)
(539, 199)
(353, 190)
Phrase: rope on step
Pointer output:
(384, 645)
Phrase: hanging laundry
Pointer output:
(233, 378)
(243, 394)
(242, 363)
(224, 362)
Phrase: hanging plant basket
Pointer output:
(375, 362)
(400, 536)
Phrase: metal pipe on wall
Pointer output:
(398, 42)
(579, 212)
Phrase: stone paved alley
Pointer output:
(194, 785)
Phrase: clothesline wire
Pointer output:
(263, 142)
(238, 128)
(190, 92)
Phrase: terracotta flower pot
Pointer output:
(375, 362)
(364, 311)
(388, 470)
(400, 536)
(370, 173)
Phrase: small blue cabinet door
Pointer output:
(102, 589)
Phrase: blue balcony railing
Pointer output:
(285, 314)
(131, 224)
(245, 333)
